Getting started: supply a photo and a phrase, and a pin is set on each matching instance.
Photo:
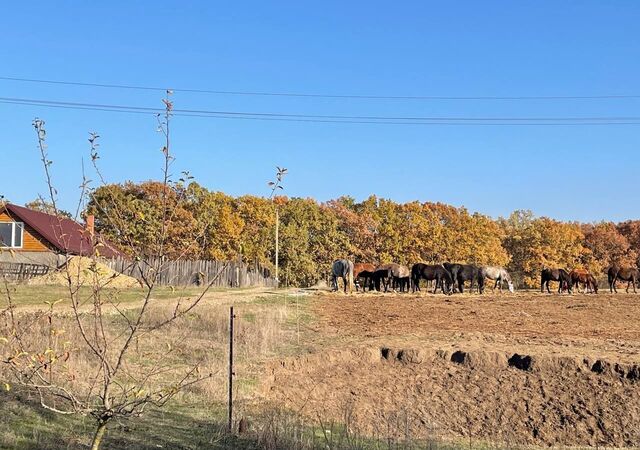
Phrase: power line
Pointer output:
(312, 95)
(323, 116)
(152, 111)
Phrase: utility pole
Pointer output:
(274, 185)
(277, 241)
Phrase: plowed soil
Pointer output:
(522, 368)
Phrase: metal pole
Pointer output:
(277, 246)
(231, 374)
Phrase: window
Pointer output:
(11, 234)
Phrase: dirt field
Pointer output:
(521, 368)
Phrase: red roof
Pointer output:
(65, 235)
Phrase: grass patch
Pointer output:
(25, 426)
(33, 295)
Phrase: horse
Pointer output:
(582, 276)
(629, 274)
(465, 272)
(342, 268)
(382, 276)
(401, 277)
(364, 271)
(392, 275)
(432, 272)
(560, 275)
(593, 283)
(367, 276)
(499, 274)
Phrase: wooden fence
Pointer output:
(196, 272)
(22, 271)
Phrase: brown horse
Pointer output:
(582, 276)
(432, 272)
(629, 274)
(364, 271)
(560, 275)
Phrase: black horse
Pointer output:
(465, 272)
(629, 274)
(432, 272)
(367, 276)
(559, 275)
(382, 277)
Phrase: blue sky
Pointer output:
(490, 48)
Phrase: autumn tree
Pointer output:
(359, 228)
(374, 230)
(606, 246)
(473, 238)
(256, 239)
(133, 215)
(631, 231)
(216, 215)
(535, 243)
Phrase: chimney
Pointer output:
(91, 224)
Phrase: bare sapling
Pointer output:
(88, 352)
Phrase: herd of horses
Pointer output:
(451, 277)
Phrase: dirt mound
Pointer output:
(490, 396)
(85, 272)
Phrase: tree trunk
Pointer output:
(97, 439)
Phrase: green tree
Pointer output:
(310, 240)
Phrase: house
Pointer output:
(28, 236)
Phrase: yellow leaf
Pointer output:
(7, 387)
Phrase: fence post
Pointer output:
(231, 374)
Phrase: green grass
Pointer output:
(25, 426)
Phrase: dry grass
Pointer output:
(265, 326)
